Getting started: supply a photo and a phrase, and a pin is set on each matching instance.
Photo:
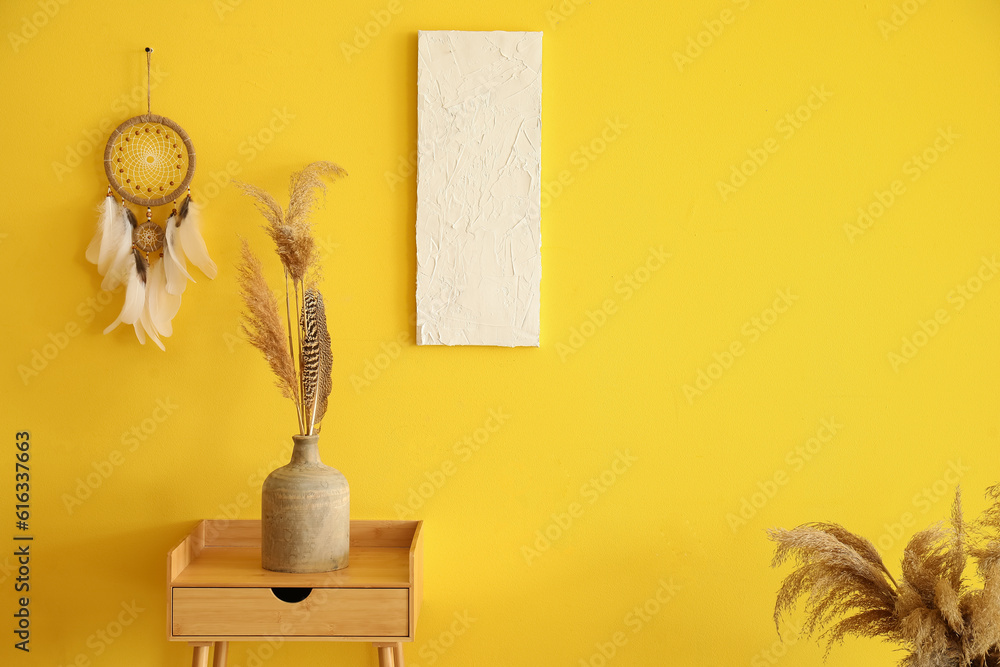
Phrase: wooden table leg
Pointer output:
(200, 655)
(397, 655)
(384, 655)
(221, 649)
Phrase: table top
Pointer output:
(384, 554)
(369, 567)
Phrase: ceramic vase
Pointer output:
(305, 513)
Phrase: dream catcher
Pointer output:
(149, 161)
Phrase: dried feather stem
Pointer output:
(312, 419)
(298, 332)
(291, 352)
(312, 411)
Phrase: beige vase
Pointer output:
(305, 514)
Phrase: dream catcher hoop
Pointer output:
(149, 161)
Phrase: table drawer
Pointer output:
(327, 612)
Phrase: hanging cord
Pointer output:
(149, 55)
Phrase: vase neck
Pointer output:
(306, 449)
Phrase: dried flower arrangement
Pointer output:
(933, 612)
(302, 359)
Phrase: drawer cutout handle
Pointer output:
(291, 594)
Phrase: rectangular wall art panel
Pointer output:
(479, 115)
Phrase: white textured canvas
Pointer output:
(479, 116)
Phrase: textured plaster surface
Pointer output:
(479, 103)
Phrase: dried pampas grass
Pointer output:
(261, 321)
(302, 189)
(291, 230)
(304, 366)
(933, 611)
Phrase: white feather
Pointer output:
(135, 299)
(192, 242)
(119, 251)
(106, 213)
(175, 266)
(147, 324)
(94, 249)
(117, 232)
(139, 332)
(163, 305)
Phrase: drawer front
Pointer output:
(327, 612)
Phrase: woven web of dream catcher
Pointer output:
(149, 160)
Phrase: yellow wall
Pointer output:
(664, 132)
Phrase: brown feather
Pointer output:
(140, 264)
(317, 357)
(182, 213)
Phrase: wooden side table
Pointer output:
(218, 593)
